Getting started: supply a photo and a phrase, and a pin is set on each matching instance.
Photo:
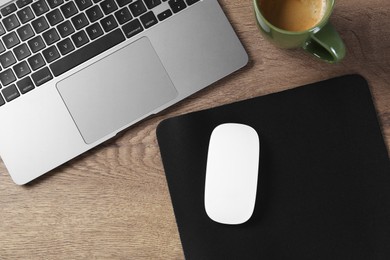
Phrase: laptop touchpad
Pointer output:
(118, 90)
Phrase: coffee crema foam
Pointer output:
(293, 15)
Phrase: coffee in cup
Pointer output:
(301, 23)
(293, 15)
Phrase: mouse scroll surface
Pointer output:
(231, 173)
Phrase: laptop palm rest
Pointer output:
(116, 91)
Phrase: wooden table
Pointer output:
(113, 202)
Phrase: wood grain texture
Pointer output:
(113, 202)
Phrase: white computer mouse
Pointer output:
(231, 173)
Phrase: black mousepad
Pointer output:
(324, 178)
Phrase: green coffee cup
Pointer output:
(321, 39)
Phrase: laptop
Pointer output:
(75, 73)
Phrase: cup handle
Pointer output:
(326, 44)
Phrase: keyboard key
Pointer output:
(148, 19)
(132, 28)
(94, 31)
(65, 46)
(36, 44)
(42, 76)
(94, 13)
(8, 9)
(69, 9)
(80, 21)
(22, 52)
(94, 48)
(10, 93)
(2, 102)
(25, 32)
(137, 8)
(177, 5)
(65, 29)
(123, 15)
(2, 31)
(10, 40)
(22, 3)
(123, 2)
(36, 61)
(191, 2)
(25, 15)
(54, 3)
(80, 39)
(7, 59)
(25, 85)
(54, 17)
(2, 48)
(11, 22)
(40, 24)
(108, 6)
(51, 54)
(109, 23)
(40, 7)
(51, 36)
(21, 69)
(83, 4)
(164, 15)
(7, 77)
(152, 3)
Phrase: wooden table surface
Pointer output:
(113, 202)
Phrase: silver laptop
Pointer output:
(75, 73)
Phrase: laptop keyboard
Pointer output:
(43, 39)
